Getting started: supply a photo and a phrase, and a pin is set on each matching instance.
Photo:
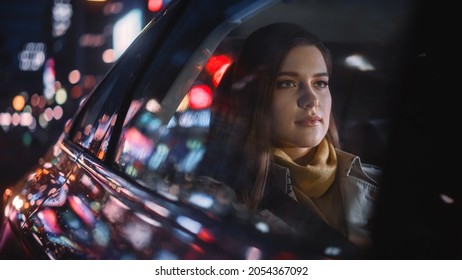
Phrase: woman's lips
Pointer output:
(309, 121)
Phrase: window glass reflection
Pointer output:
(95, 126)
(157, 145)
(149, 145)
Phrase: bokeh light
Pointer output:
(19, 102)
(61, 96)
(74, 76)
(200, 97)
(109, 56)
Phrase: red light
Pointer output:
(197, 248)
(50, 221)
(216, 62)
(206, 236)
(200, 97)
(155, 5)
(81, 209)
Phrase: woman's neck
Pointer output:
(301, 156)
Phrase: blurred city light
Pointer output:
(61, 96)
(153, 106)
(61, 13)
(74, 76)
(155, 5)
(19, 102)
(32, 57)
(55, 52)
(200, 97)
(92, 40)
(109, 56)
(125, 31)
(49, 75)
(360, 62)
(113, 8)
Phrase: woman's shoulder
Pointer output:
(359, 186)
(351, 165)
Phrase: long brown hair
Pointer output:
(243, 101)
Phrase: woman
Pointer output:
(273, 115)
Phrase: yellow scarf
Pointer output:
(315, 178)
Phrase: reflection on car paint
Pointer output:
(87, 221)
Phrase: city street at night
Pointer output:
(52, 53)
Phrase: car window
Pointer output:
(167, 135)
(166, 125)
(149, 146)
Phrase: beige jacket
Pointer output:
(347, 206)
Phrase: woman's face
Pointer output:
(302, 102)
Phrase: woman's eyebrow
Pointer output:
(295, 74)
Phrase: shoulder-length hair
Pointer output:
(242, 107)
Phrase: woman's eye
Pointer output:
(286, 84)
(322, 84)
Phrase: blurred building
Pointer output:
(52, 53)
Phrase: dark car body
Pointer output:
(120, 183)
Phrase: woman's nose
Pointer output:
(308, 99)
